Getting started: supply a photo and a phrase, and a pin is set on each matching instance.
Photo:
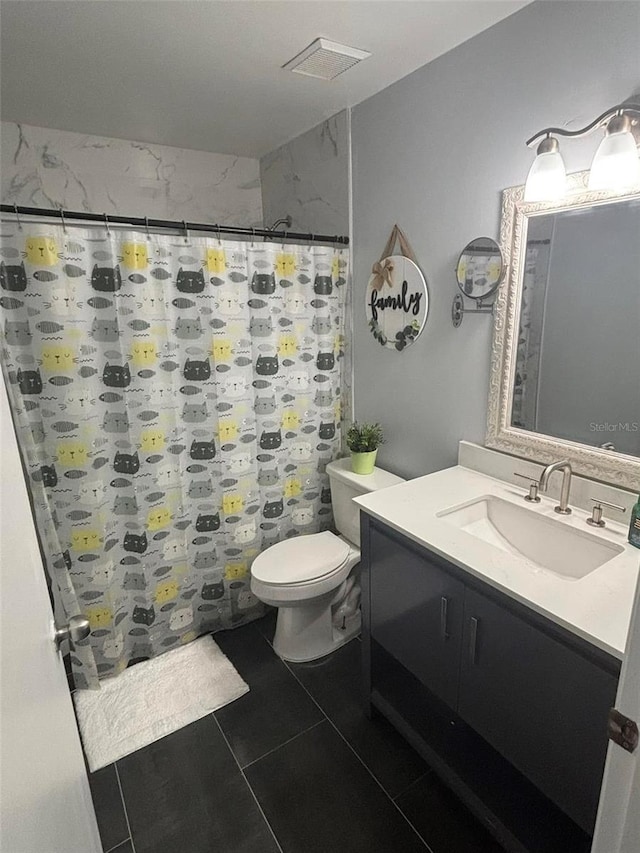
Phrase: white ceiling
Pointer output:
(206, 74)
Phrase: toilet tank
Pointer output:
(345, 485)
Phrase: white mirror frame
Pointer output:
(594, 462)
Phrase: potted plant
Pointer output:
(363, 441)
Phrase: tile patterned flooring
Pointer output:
(291, 767)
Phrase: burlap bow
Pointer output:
(382, 272)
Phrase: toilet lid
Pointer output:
(303, 558)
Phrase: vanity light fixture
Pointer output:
(615, 166)
(547, 178)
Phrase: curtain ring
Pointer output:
(186, 231)
(146, 225)
(253, 238)
(284, 239)
(106, 224)
(219, 239)
(15, 210)
(64, 224)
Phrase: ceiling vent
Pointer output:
(325, 59)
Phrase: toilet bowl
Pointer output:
(313, 580)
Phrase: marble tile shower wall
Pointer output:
(308, 178)
(42, 167)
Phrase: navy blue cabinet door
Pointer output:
(416, 613)
(541, 704)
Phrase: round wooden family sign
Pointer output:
(397, 302)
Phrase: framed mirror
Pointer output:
(565, 363)
(480, 268)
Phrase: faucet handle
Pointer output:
(534, 485)
(596, 519)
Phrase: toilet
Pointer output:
(313, 580)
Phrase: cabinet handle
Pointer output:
(473, 636)
(444, 608)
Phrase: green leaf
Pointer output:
(363, 438)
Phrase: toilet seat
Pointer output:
(301, 560)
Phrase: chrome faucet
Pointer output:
(563, 507)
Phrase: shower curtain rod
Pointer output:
(144, 222)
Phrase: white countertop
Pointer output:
(596, 607)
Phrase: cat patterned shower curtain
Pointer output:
(176, 401)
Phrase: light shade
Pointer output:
(616, 165)
(547, 178)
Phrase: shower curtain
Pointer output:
(176, 401)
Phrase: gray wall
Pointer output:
(309, 179)
(432, 153)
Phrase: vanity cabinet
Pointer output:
(539, 702)
(530, 697)
(416, 614)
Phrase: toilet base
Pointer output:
(307, 633)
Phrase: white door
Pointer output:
(618, 823)
(45, 799)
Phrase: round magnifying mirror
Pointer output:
(480, 267)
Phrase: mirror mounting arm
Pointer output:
(458, 309)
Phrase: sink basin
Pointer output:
(548, 543)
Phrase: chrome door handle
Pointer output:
(77, 629)
(473, 641)
(444, 609)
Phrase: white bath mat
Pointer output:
(154, 698)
